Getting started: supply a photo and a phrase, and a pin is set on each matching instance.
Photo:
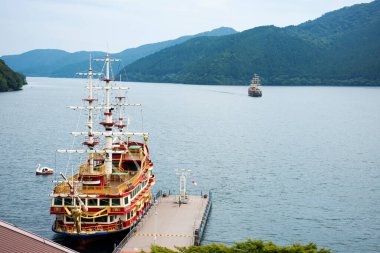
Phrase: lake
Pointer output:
(299, 165)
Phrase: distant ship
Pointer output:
(111, 190)
(254, 90)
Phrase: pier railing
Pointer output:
(198, 232)
(158, 194)
(120, 246)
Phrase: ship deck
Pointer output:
(118, 183)
(167, 224)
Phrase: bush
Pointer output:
(250, 246)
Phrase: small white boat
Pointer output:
(43, 170)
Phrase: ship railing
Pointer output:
(134, 179)
(134, 155)
(85, 169)
(64, 188)
(88, 229)
(98, 190)
(88, 190)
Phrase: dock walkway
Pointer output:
(169, 224)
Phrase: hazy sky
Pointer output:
(75, 25)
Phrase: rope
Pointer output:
(142, 119)
(73, 142)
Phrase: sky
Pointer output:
(115, 25)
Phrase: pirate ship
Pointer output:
(112, 188)
(254, 90)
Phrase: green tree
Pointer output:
(10, 80)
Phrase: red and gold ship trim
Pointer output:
(115, 202)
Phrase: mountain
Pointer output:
(340, 48)
(10, 80)
(59, 63)
(48, 62)
(133, 54)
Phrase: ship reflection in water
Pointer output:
(99, 244)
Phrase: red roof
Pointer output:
(14, 239)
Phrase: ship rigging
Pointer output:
(112, 188)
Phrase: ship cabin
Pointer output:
(128, 166)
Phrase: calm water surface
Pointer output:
(300, 164)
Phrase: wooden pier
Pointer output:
(169, 224)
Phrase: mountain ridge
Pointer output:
(60, 63)
(339, 48)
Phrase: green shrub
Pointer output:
(250, 246)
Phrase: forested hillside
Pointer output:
(10, 80)
(339, 48)
(59, 63)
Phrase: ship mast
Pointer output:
(91, 141)
(108, 124)
(120, 125)
(90, 123)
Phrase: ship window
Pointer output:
(92, 202)
(115, 202)
(126, 201)
(58, 201)
(104, 202)
(112, 218)
(68, 219)
(78, 202)
(115, 163)
(131, 165)
(68, 201)
(87, 220)
(101, 219)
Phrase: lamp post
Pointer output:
(182, 184)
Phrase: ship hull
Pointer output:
(255, 93)
(94, 235)
(45, 173)
(121, 230)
